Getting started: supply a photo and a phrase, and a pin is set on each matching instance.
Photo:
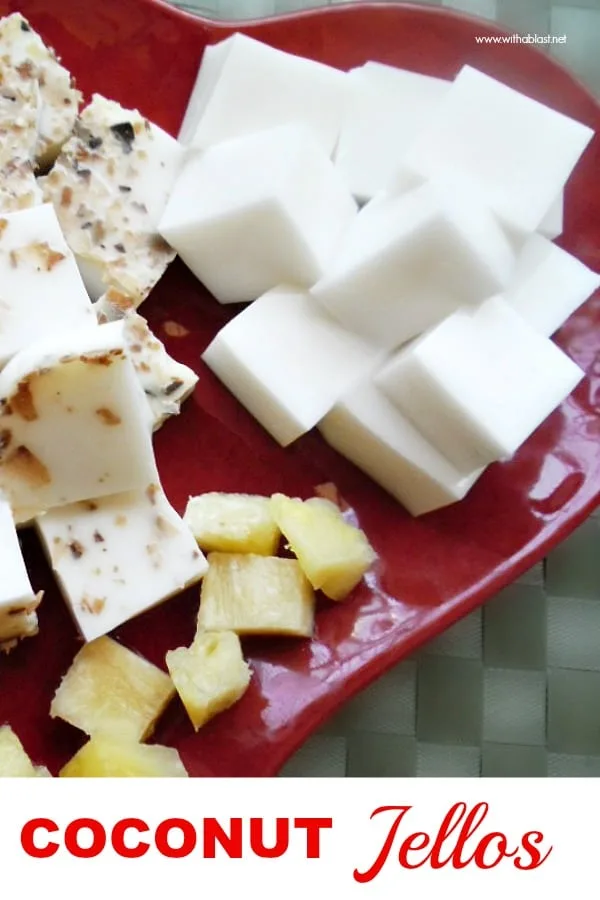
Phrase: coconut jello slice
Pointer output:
(166, 382)
(18, 602)
(74, 421)
(116, 557)
(42, 291)
(19, 115)
(18, 186)
(46, 96)
(109, 187)
(18, 130)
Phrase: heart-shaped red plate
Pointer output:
(432, 570)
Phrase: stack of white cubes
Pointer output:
(413, 331)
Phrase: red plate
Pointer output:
(434, 569)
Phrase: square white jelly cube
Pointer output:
(371, 432)
(479, 383)
(288, 362)
(257, 211)
(551, 225)
(406, 262)
(244, 85)
(548, 284)
(116, 557)
(387, 108)
(518, 151)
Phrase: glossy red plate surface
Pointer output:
(432, 570)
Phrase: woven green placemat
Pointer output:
(514, 688)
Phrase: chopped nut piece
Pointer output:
(22, 402)
(77, 550)
(108, 416)
(175, 329)
(94, 607)
(24, 465)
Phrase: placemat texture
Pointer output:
(514, 688)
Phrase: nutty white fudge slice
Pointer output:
(166, 382)
(19, 114)
(109, 187)
(18, 186)
(41, 291)
(46, 98)
(116, 557)
(18, 602)
(74, 421)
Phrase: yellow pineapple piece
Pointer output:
(333, 554)
(210, 676)
(233, 523)
(105, 756)
(14, 762)
(252, 594)
(112, 691)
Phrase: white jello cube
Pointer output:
(116, 557)
(253, 212)
(288, 362)
(407, 262)
(371, 432)
(518, 151)
(42, 291)
(245, 86)
(549, 284)
(75, 424)
(18, 601)
(479, 384)
(387, 108)
(551, 225)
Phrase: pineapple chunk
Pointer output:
(233, 523)
(105, 756)
(210, 676)
(333, 554)
(14, 762)
(252, 594)
(112, 691)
